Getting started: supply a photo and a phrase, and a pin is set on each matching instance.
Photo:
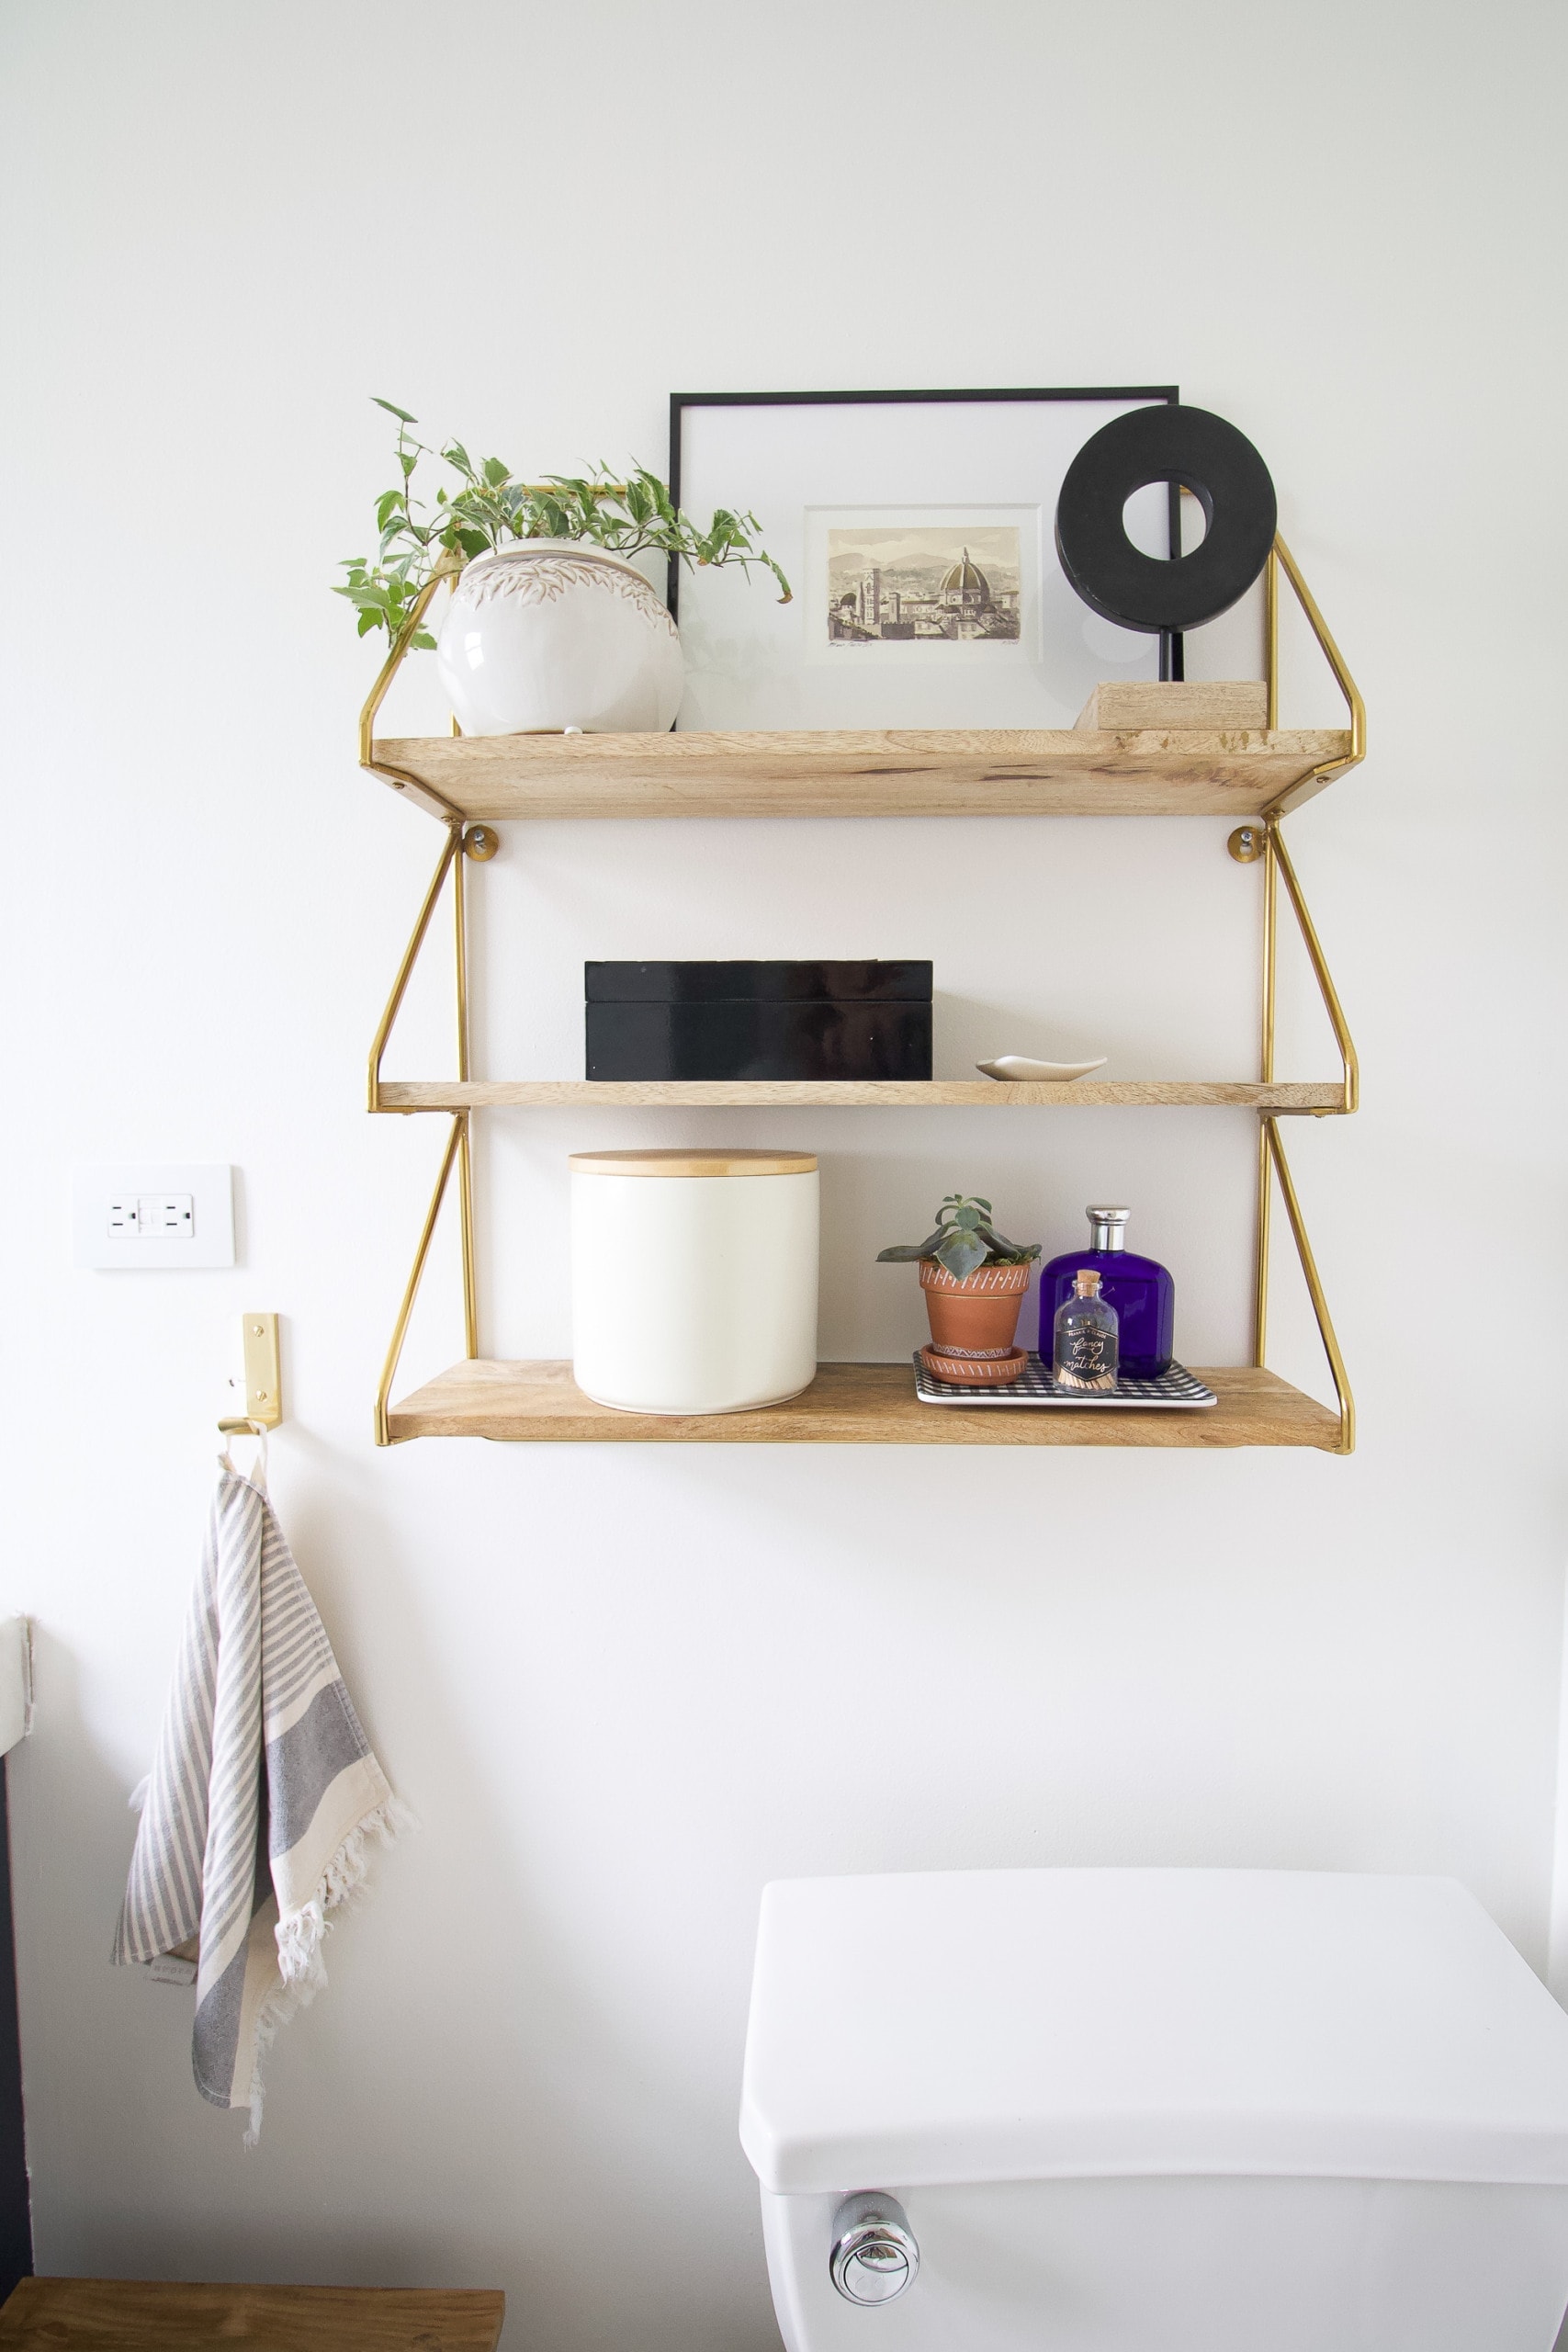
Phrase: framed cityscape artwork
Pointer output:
(916, 530)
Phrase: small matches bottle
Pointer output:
(1084, 1347)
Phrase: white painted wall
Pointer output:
(623, 1688)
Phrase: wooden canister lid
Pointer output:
(692, 1162)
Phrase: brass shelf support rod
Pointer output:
(450, 848)
(1279, 556)
(460, 1144)
(456, 1142)
(465, 1147)
(1347, 1402)
(1266, 1070)
(1279, 857)
(462, 841)
(377, 695)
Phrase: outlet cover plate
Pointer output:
(119, 1210)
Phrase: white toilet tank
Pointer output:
(1117, 2111)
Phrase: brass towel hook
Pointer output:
(263, 1390)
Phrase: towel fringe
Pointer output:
(300, 1937)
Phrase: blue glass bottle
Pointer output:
(1138, 1288)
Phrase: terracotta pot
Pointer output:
(980, 1313)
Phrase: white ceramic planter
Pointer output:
(547, 634)
(694, 1278)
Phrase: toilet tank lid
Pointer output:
(1013, 2025)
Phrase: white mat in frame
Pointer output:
(916, 474)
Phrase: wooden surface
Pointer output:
(1183, 702)
(1000, 772)
(132, 2316)
(847, 1404)
(852, 1094)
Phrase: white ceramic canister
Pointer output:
(546, 634)
(694, 1278)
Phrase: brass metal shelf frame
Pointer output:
(1263, 843)
(1276, 860)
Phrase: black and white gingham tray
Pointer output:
(1176, 1391)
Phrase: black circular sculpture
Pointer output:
(1204, 455)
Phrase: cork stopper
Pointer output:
(1087, 1280)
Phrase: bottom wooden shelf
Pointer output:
(847, 1404)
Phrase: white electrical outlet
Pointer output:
(153, 1217)
(165, 1212)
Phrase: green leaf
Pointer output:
(422, 641)
(967, 1217)
(906, 1252)
(495, 472)
(1014, 1251)
(962, 1255)
(393, 410)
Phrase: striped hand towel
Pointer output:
(261, 1806)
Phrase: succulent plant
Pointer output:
(964, 1241)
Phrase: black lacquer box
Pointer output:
(759, 1021)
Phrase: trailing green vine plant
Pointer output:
(489, 505)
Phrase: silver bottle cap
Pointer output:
(1108, 1227)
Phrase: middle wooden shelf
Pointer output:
(856, 1094)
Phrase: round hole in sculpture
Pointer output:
(1145, 518)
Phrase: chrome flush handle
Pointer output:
(874, 2255)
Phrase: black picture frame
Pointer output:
(1171, 652)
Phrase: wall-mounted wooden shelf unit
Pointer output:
(1065, 772)
(856, 1094)
(1208, 755)
(847, 1404)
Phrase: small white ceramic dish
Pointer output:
(1017, 1069)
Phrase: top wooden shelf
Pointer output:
(1065, 772)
